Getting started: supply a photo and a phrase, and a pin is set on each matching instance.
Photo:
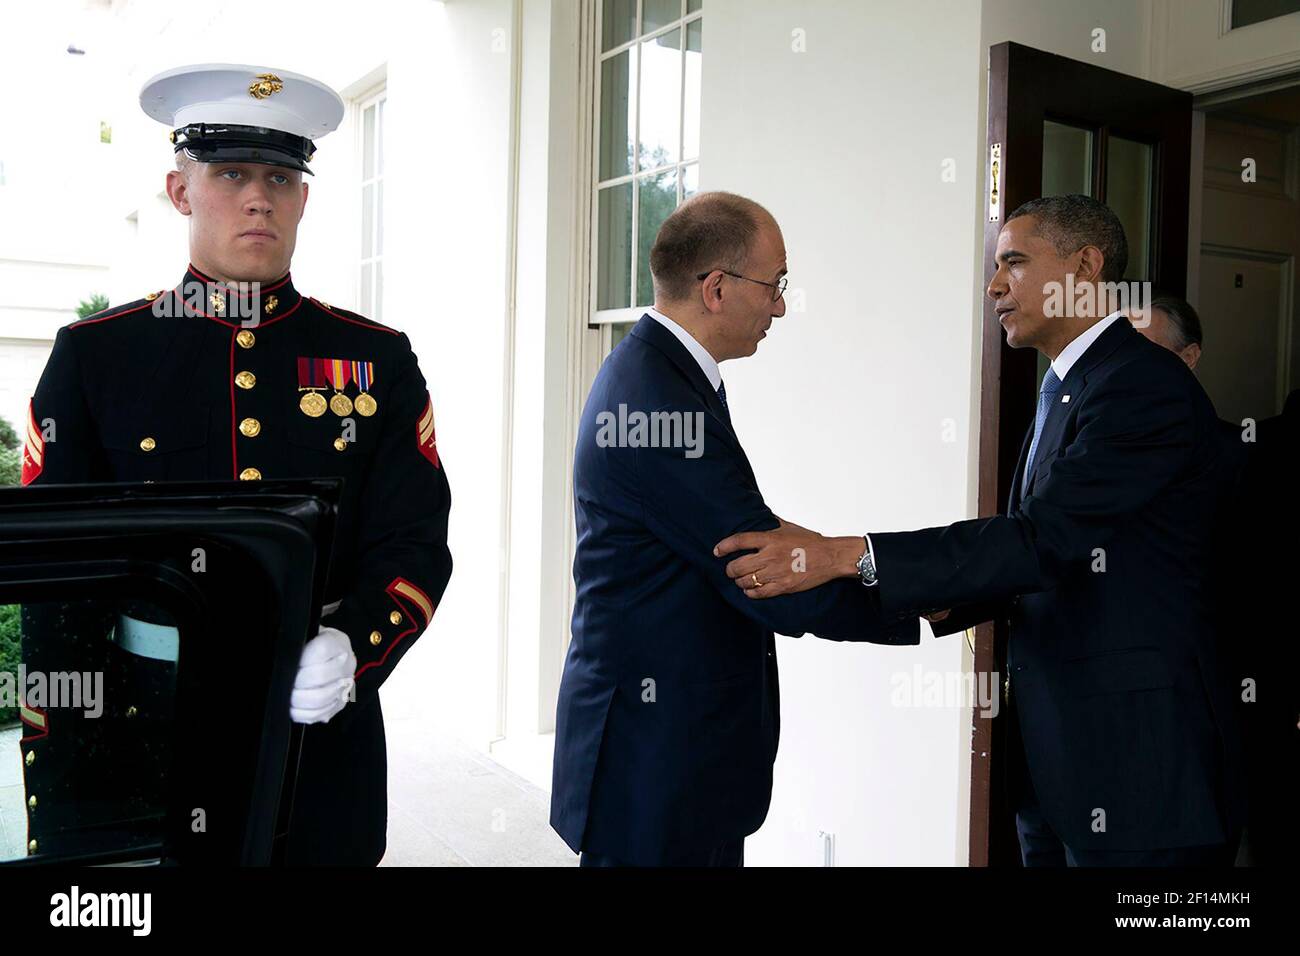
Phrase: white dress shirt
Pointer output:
(1062, 364)
(707, 363)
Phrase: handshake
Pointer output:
(790, 559)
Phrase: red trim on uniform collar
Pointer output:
(196, 274)
(280, 295)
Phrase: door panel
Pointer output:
(1245, 314)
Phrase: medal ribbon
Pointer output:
(311, 373)
(338, 372)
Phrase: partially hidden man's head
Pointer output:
(1042, 242)
(718, 263)
(1171, 323)
(243, 138)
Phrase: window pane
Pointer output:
(614, 251)
(693, 5)
(618, 23)
(1246, 12)
(1067, 160)
(367, 286)
(691, 101)
(380, 136)
(379, 291)
(618, 332)
(690, 180)
(367, 220)
(368, 143)
(661, 100)
(87, 767)
(659, 13)
(658, 198)
(1128, 193)
(617, 118)
(379, 216)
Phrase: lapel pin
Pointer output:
(1065, 399)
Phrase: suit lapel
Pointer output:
(650, 331)
(1071, 391)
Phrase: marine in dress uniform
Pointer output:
(225, 380)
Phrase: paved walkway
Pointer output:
(449, 805)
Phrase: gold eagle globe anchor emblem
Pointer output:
(265, 85)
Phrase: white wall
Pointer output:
(843, 409)
(544, 336)
(1193, 50)
(1066, 29)
(449, 113)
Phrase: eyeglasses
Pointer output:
(778, 287)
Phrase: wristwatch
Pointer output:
(867, 565)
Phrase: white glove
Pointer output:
(325, 681)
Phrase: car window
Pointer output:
(87, 694)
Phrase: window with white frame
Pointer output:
(370, 279)
(647, 144)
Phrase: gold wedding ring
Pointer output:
(755, 577)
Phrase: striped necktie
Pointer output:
(1051, 385)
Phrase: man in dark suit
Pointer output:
(1259, 458)
(668, 714)
(1101, 564)
(1263, 660)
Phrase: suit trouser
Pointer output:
(1040, 846)
(725, 854)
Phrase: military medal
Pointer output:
(339, 373)
(364, 373)
(311, 375)
(312, 404)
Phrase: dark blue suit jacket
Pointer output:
(1104, 572)
(668, 716)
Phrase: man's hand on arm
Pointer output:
(788, 559)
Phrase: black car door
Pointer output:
(149, 639)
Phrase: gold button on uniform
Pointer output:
(30, 758)
(246, 339)
(245, 379)
(395, 617)
(250, 474)
(340, 444)
(132, 711)
(31, 802)
(250, 427)
(147, 444)
(375, 638)
(31, 846)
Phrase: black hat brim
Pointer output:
(245, 144)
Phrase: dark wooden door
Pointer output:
(1058, 126)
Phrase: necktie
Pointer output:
(722, 397)
(1046, 395)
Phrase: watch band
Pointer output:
(867, 564)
